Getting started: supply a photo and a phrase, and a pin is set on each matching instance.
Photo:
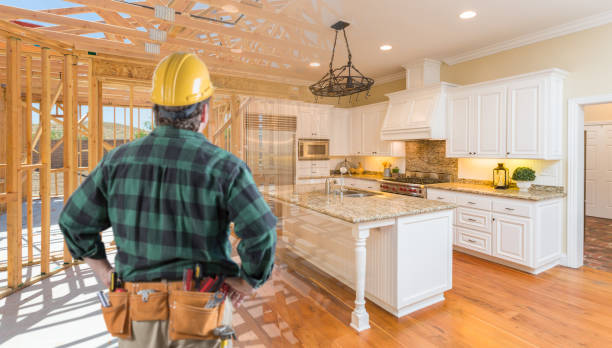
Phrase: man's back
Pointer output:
(170, 197)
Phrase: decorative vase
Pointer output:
(523, 185)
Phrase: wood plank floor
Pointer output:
(489, 306)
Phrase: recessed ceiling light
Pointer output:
(385, 47)
(229, 8)
(467, 14)
(315, 64)
(236, 50)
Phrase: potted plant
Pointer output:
(395, 172)
(523, 177)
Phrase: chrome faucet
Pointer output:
(343, 171)
(328, 185)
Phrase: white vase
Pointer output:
(523, 185)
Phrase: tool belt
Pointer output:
(149, 301)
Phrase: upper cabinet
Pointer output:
(313, 121)
(517, 117)
(366, 125)
(339, 129)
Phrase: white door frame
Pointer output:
(575, 176)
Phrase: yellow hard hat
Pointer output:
(181, 79)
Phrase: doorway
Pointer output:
(598, 186)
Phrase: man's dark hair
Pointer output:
(182, 117)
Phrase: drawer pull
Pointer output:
(440, 198)
(470, 219)
(511, 209)
(471, 240)
(471, 203)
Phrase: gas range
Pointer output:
(413, 183)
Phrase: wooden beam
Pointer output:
(14, 149)
(131, 113)
(45, 158)
(69, 137)
(28, 141)
(93, 120)
(207, 26)
(9, 29)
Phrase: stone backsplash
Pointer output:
(430, 156)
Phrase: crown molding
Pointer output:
(391, 77)
(546, 34)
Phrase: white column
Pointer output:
(360, 319)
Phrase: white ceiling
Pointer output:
(419, 29)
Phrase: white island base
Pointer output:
(402, 264)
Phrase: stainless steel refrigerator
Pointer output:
(270, 148)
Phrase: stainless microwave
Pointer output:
(313, 149)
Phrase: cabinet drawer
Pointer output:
(440, 195)
(474, 219)
(473, 201)
(369, 185)
(477, 241)
(512, 208)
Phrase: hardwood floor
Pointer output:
(489, 306)
(598, 243)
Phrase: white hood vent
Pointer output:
(419, 111)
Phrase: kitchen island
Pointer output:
(395, 250)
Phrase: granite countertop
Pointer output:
(371, 177)
(358, 209)
(534, 194)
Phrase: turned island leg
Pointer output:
(360, 319)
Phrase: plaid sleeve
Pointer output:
(255, 224)
(85, 216)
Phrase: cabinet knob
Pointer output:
(507, 153)
(492, 219)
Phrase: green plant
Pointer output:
(523, 174)
(395, 170)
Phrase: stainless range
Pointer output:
(413, 183)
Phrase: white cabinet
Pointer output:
(313, 121)
(510, 237)
(309, 169)
(516, 117)
(340, 127)
(459, 118)
(366, 125)
(522, 234)
(525, 118)
(363, 184)
(356, 135)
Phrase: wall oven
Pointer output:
(313, 149)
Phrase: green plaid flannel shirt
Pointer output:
(170, 198)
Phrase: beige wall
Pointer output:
(598, 113)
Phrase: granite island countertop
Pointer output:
(371, 177)
(532, 194)
(359, 209)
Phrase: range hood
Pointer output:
(419, 111)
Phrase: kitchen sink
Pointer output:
(353, 193)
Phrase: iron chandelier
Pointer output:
(345, 80)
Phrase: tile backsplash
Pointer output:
(429, 156)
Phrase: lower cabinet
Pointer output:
(522, 234)
(511, 235)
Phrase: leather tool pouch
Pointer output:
(188, 317)
(117, 317)
(149, 306)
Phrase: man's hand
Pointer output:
(102, 269)
(239, 290)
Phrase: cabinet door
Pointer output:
(322, 126)
(525, 116)
(340, 124)
(371, 132)
(305, 123)
(383, 148)
(356, 133)
(458, 134)
(511, 238)
(490, 122)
